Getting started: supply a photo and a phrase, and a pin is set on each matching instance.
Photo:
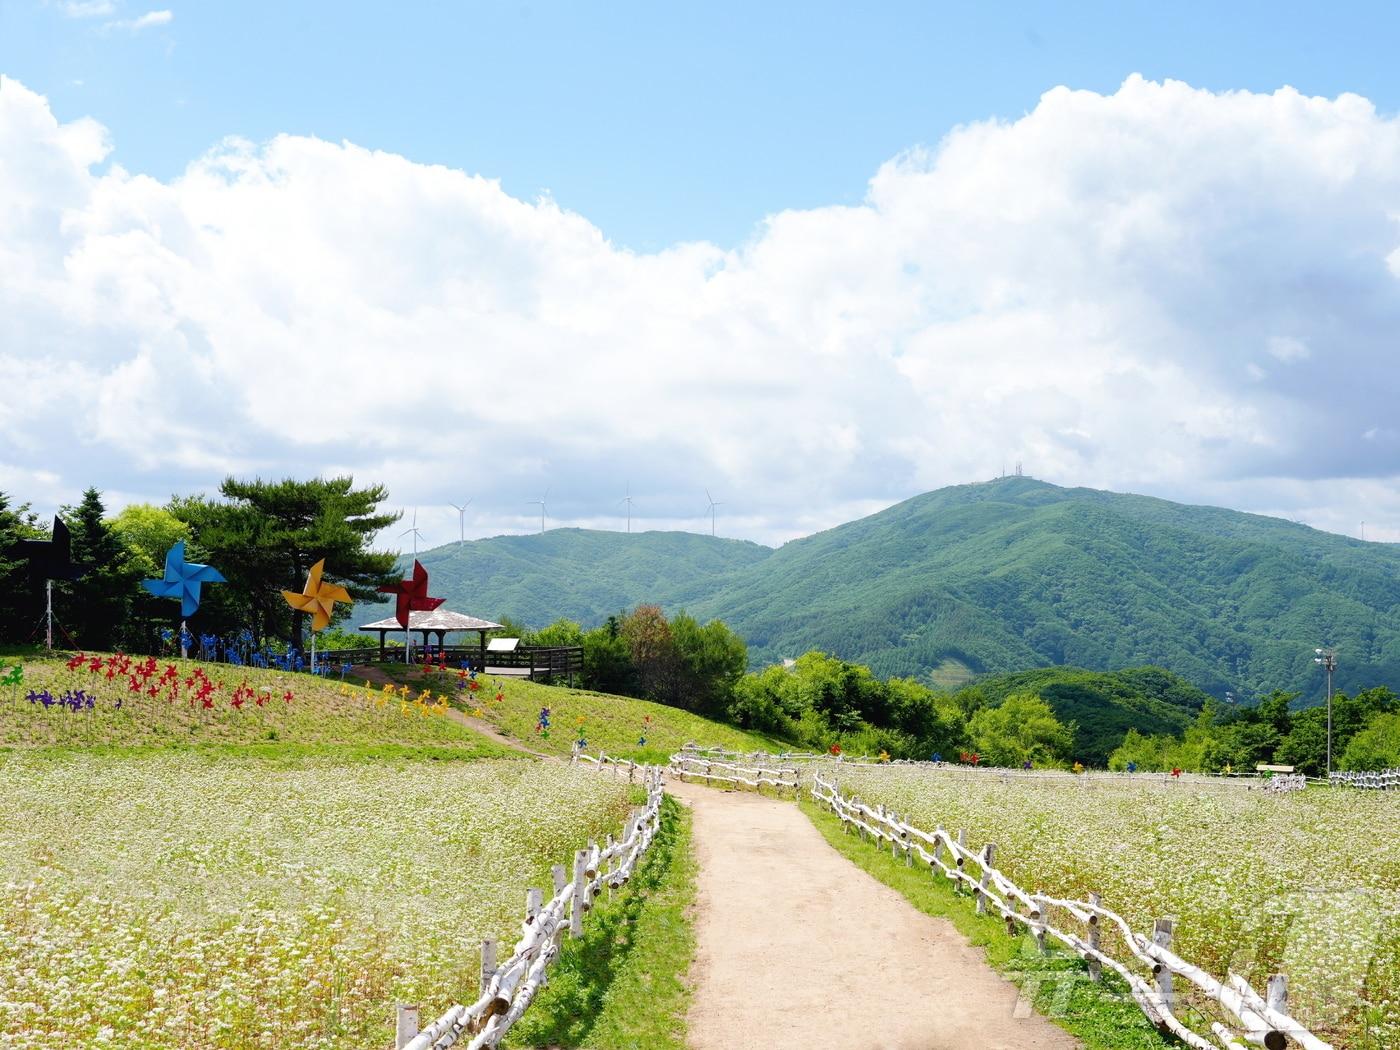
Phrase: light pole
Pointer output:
(1328, 659)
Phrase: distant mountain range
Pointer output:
(995, 577)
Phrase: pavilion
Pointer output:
(440, 622)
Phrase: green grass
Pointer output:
(1103, 1015)
(611, 723)
(622, 986)
(323, 716)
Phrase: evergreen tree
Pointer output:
(95, 607)
(19, 606)
(264, 536)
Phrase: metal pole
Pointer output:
(48, 615)
(1328, 659)
(1331, 663)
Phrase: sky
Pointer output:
(810, 258)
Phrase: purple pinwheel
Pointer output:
(183, 580)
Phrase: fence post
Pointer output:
(988, 852)
(488, 963)
(1041, 918)
(576, 904)
(533, 899)
(1276, 994)
(1162, 937)
(612, 863)
(406, 1026)
(1095, 967)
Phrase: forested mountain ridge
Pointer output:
(992, 577)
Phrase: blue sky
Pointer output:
(814, 258)
(659, 122)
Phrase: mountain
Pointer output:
(993, 577)
(581, 574)
(1017, 573)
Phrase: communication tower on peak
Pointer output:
(1018, 468)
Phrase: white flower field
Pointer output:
(186, 901)
(1307, 883)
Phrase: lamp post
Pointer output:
(1328, 659)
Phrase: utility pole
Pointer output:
(1327, 658)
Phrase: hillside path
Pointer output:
(476, 725)
(799, 948)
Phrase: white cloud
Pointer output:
(1085, 289)
(87, 8)
(146, 21)
(1286, 348)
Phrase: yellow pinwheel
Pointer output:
(317, 598)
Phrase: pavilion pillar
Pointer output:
(382, 657)
(482, 668)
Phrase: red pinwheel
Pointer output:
(412, 595)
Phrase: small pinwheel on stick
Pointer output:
(646, 727)
(318, 598)
(183, 580)
(13, 678)
(542, 726)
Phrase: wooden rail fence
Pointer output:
(509, 987)
(808, 760)
(1385, 780)
(1150, 965)
(690, 766)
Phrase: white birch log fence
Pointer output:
(1384, 780)
(833, 764)
(1150, 965)
(1283, 783)
(509, 987)
(688, 766)
(603, 760)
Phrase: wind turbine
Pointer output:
(541, 502)
(413, 531)
(627, 499)
(713, 505)
(461, 520)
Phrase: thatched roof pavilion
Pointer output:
(440, 622)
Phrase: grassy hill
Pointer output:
(986, 578)
(283, 864)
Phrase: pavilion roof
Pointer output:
(437, 620)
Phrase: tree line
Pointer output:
(264, 536)
(1365, 736)
(815, 701)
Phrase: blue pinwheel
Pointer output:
(183, 579)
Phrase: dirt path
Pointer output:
(799, 948)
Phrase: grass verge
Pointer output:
(622, 986)
(1103, 1016)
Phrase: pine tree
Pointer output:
(19, 605)
(95, 607)
(264, 536)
